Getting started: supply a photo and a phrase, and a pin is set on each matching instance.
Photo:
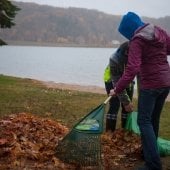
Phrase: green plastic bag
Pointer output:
(164, 147)
(131, 125)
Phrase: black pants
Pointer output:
(114, 105)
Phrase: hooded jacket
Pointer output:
(147, 58)
(129, 24)
(115, 69)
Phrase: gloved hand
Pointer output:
(129, 107)
(112, 92)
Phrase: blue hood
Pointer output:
(129, 24)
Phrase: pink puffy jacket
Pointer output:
(147, 58)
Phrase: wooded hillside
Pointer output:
(43, 24)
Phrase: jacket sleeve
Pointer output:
(116, 73)
(133, 65)
(168, 44)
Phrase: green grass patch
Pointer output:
(26, 95)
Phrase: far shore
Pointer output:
(91, 89)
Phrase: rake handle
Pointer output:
(106, 101)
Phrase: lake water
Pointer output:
(82, 66)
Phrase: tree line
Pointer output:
(66, 26)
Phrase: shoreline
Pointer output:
(76, 87)
(83, 88)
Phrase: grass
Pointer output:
(27, 95)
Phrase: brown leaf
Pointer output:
(3, 141)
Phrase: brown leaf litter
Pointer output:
(28, 142)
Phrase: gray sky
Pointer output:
(149, 8)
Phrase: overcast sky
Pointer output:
(149, 8)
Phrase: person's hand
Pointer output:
(129, 107)
(112, 92)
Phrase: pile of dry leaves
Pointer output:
(29, 142)
(121, 149)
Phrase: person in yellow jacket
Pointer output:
(112, 74)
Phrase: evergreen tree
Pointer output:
(7, 15)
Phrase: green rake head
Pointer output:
(80, 149)
(82, 146)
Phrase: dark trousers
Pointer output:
(150, 105)
(114, 105)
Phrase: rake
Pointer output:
(82, 145)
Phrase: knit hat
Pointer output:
(129, 24)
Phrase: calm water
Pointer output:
(83, 66)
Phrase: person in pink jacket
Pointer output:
(147, 59)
